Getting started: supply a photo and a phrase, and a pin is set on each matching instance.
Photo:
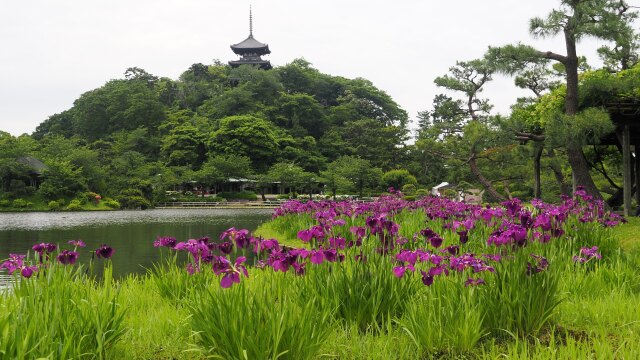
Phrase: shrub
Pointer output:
(284, 196)
(421, 193)
(134, 202)
(398, 178)
(20, 203)
(409, 189)
(110, 203)
(91, 196)
(133, 199)
(242, 195)
(53, 205)
(5, 203)
(74, 205)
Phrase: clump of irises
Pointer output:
(373, 230)
(21, 264)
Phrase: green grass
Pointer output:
(628, 234)
(269, 231)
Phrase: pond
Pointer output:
(130, 233)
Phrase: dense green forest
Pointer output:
(143, 135)
(135, 138)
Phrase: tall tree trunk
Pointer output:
(487, 185)
(557, 172)
(505, 183)
(537, 187)
(579, 165)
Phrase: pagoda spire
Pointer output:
(250, 21)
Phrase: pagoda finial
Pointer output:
(250, 21)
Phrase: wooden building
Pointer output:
(625, 114)
(251, 50)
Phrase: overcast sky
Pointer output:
(53, 51)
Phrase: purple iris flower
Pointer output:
(27, 271)
(358, 231)
(337, 242)
(438, 270)
(474, 282)
(588, 253)
(512, 206)
(301, 253)
(299, 268)
(43, 248)
(543, 221)
(541, 265)
(197, 248)
(13, 263)
(426, 278)
(66, 257)
(169, 242)
(453, 249)
(317, 257)
(232, 273)
(331, 255)
(580, 191)
(591, 252)
(428, 233)
(77, 243)
(435, 241)
(104, 251)
(281, 261)
(398, 271)
(226, 247)
(307, 235)
(16, 263)
(260, 245)
(192, 269)
(410, 257)
(240, 237)
(526, 218)
(464, 236)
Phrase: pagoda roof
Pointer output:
(250, 43)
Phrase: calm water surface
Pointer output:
(130, 233)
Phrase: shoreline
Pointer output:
(175, 205)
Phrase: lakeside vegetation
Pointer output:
(385, 280)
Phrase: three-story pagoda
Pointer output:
(251, 50)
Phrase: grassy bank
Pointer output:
(35, 203)
(628, 235)
(369, 305)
